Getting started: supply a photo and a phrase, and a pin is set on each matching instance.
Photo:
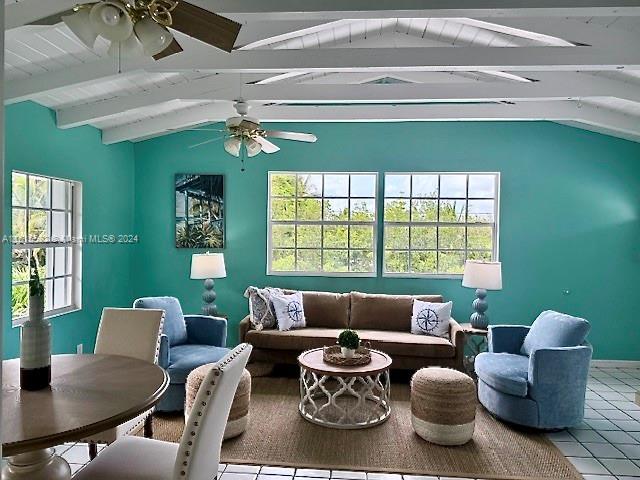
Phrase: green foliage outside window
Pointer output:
(316, 226)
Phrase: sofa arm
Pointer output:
(506, 338)
(206, 330)
(458, 338)
(163, 354)
(245, 326)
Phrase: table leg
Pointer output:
(475, 346)
(37, 465)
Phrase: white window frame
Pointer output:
(373, 224)
(74, 242)
(444, 276)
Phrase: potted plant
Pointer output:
(349, 341)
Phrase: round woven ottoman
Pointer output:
(443, 405)
(239, 414)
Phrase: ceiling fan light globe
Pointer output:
(154, 37)
(111, 20)
(79, 24)
(110, 15)
(253, 147)
(232, 146)
(233, 121)
(130, 48)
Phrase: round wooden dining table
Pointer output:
(88, 394)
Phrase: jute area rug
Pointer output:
(277, 435)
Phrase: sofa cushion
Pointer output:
(392, 343)
(505, 372)
(385, 312)
(325, 309)
(185, 358)
(553, 330)
(174, 327)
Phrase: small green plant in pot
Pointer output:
(349, 342)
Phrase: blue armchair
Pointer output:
(187, 342)
(536, 376)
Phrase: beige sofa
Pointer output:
(382, 320)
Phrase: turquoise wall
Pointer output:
(569, 224)
(570, 209)
(34, 144)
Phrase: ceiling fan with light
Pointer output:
(141, 27)
(244, 135)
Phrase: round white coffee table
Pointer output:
(346, 397)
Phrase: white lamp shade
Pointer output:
(253, 147)
(487, 275)
(207, 265)
(78, 22)
(232, 146)
(154, 37)
(111, 20)
(130, 48)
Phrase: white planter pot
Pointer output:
(36, 308)
(35, 338)
(347, 352)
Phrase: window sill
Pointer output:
(450, 276)
(17, 322)
(322, 274)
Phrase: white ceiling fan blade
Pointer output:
(299, 137)
(267, 146)
(203, 129)
(206, 141)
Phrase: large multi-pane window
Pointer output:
(322, 223)
(433, 222)
(45, 225)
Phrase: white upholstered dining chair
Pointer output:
(129, 332)
(197, 455)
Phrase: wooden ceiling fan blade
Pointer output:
(173, 48)
(297, 136)
(267, 146)
(205, 26)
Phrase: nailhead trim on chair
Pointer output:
(217, 371)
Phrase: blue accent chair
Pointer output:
(187, 341)
(536, 376)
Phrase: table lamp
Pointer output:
(482, 276)
(207, 266)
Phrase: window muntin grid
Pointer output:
(44, 217)
(434, 221)
(322, 223)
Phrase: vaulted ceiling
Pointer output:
(568, 61)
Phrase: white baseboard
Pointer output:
(615, 363)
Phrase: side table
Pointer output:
(476, 342)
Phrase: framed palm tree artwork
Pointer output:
(199, 211)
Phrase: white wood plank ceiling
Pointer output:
(570, 61)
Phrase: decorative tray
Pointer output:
(333, 355)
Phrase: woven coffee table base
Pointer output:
(443, 405)
(345, 402)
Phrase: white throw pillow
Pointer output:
(431, 318)
(289, 311)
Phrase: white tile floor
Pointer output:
(605, 447)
